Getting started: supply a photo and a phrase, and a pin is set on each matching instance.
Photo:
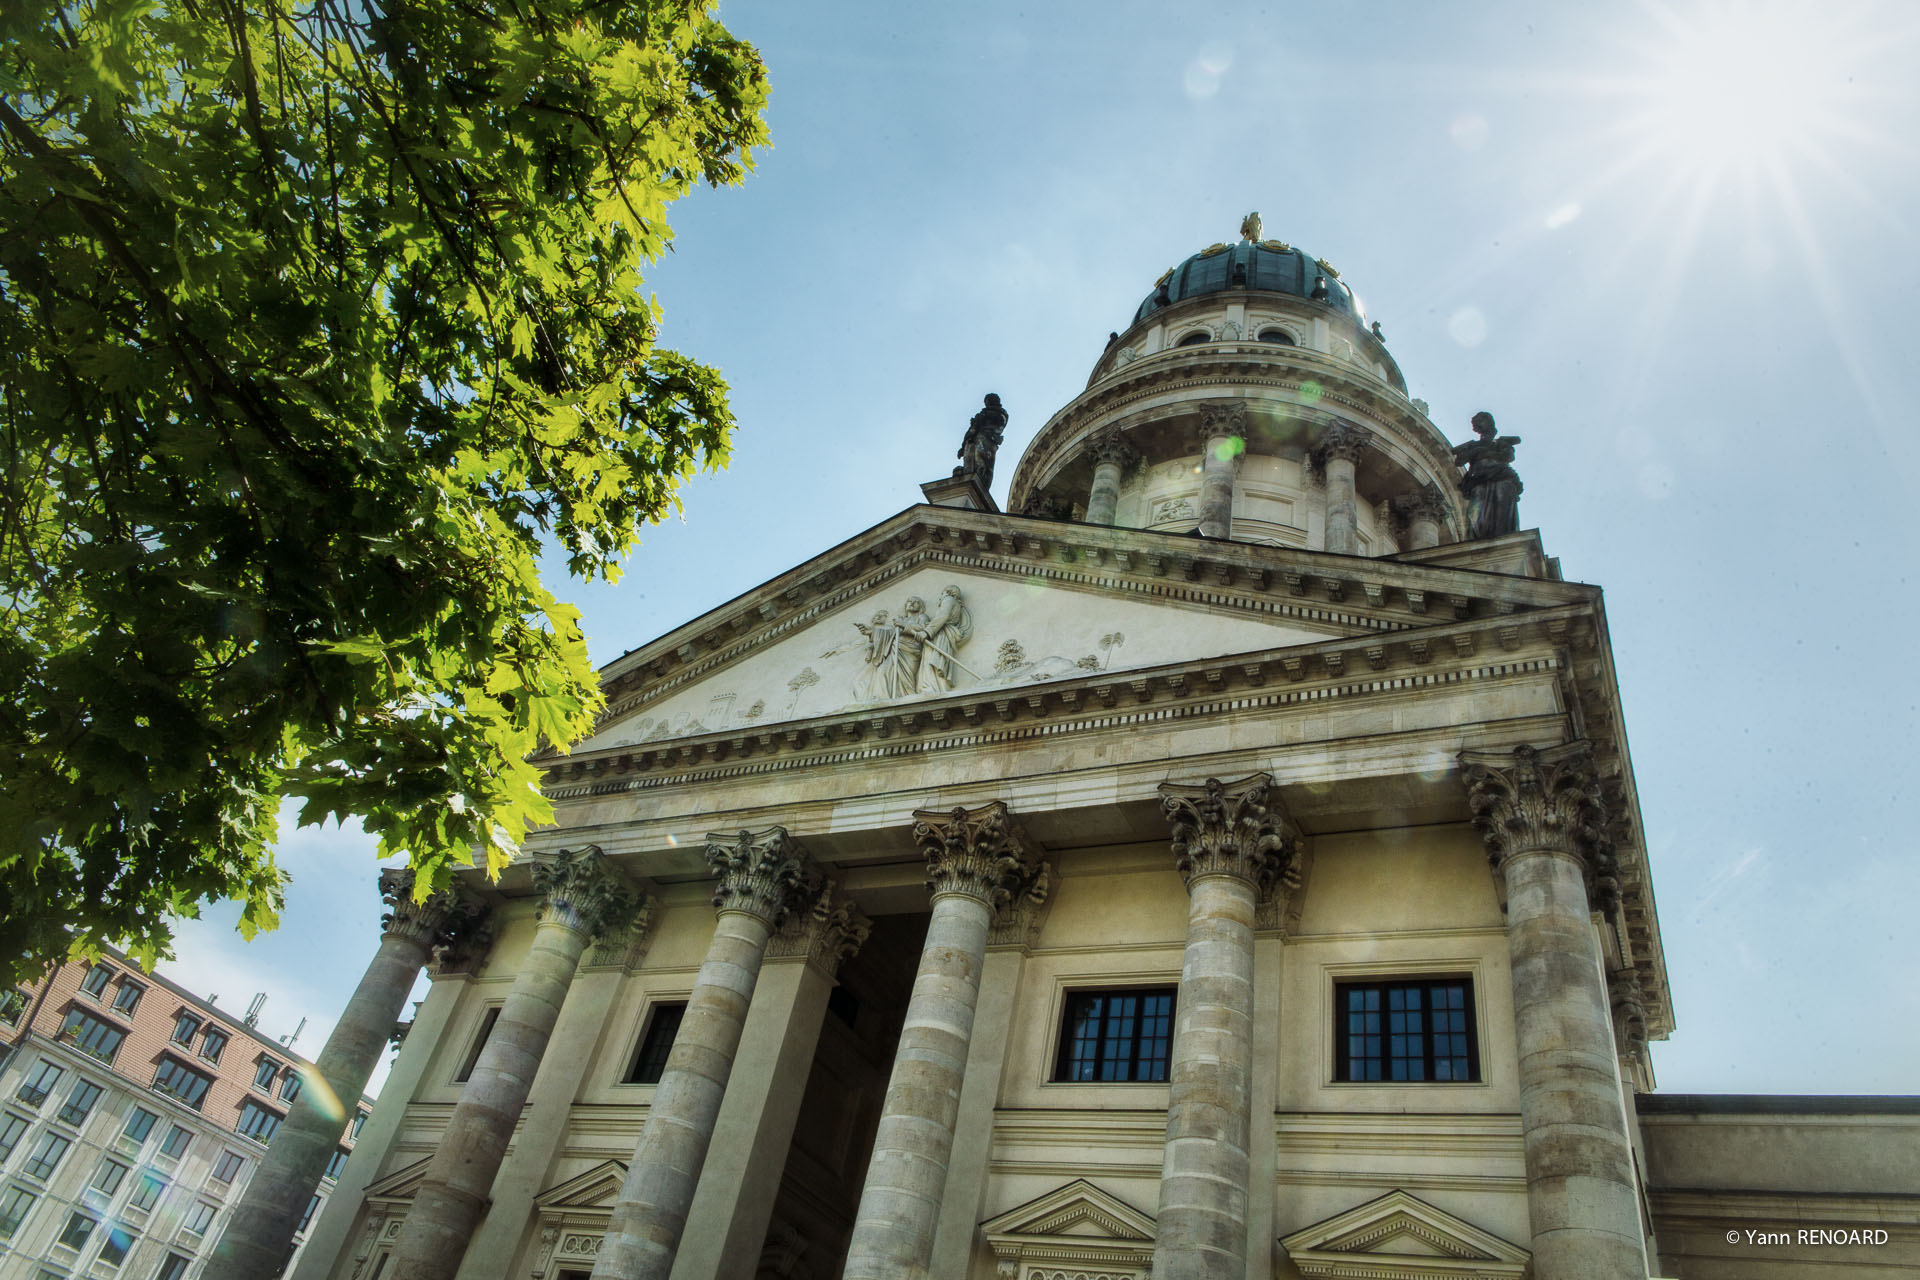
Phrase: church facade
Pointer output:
(1223, 862)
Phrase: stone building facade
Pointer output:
(1218, 864)
(133, 1115)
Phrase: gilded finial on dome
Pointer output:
(1250, 227)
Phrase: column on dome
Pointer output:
(1426, 517)
(259, 1234)
(1541, 815)
(1340, 449)
(1230, 845)
(977, 861)
(1112, 458)
(580, 899)
(763, 875)
(727, 1222)
(1222, 438)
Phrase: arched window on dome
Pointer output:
(1279, 337)
(1195, 338)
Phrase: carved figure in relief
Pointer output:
(949, 627)
(1492, 486)
(913, 653)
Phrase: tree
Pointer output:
(316, 317)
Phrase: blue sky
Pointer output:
(1669, 246)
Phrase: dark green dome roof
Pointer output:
(1268, 265)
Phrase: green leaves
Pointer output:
(314, 321)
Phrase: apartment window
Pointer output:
(306, 1219)
(146, 1192)
(1405, 1031)
(173, 1268)
(39, 1083)
(359, 1123)
(127, 998)
(139, 1124)
(114, 1251)
(11, 1129)
(198, 1218)
(258, 1122)
(290, 1087)
(78, 1230)
(15, 1205)
(181, 1081)
(107, 1179)
(80, 1103)
(185, 1027)
(92, 1036)
(228, 1166)
(1116, 1035)
(213, 1044)
(650, 1060)
(12, 1005)
(46, 1157)
(336, 1162)
(178, 1140)
(96, 980)
(479, 1043)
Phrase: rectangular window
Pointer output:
(290, 1087)
(479, 1042)
(114, 1251)
(258, 1122)
(181, 1081)
(12, 1005)
(39, 1083)
(92, 1036)
(96, 980)
(185, 1027)
(359, 1123)
(1405, 1031)
(107, 1179)
(336, 1162)
(264, 1072)
(228, 1166)
(146, 1192)
(15, 1205)
(77, 1231)
(306, 1219)
(178, 1140)
(139, 1124)
(172, 1269)
(46, 1157)
(1116, 1035)
(213, 1044)
(650, 1060)
(198, 1218)
(11, 1128)
(80, 1103)
(127, 998)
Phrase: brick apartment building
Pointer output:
(132, 1114)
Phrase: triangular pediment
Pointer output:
(1077, 1210)
(402, 1183)
(1399, 1235)
(939, 630)
(597, 1188)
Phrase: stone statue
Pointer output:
(1491, 484)
(1250, 227)
(913, 652)
(984, 434)
(1319, 293)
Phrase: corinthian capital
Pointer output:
(441, 919)
(1228, 418)
(1229, 828)
(762, 873)
(982, 853)
(1342, 440)
(1111, 446)
(1629, 1011)
(1529, 799)
(579, 890)
(827, 932)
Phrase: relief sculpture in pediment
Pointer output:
(914, 653)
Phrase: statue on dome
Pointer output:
(1490, 483)
(984, 433)
(1250, 227)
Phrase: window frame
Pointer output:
(186, 1022)
(266, 1070)
(146, 1130)
(93, 1094)
(98, 976)
(13, 1127)
(254, 1118)
(118, 1238)
(206, 1214)
(18, 1201)
(96, 1037)
(38, 1165)
(1064, 1040)
(74, 1218)
(127, 998)
(199, 1098)
(489, 1019)
(213, 1043)
(654, 1010)
(14, 1003)
(337, 1164)
(166, 1146)
(35, 1095)
(121, 1170)
(1426, 979)
(172, 1267)
(232, 1162)
(147, 1179)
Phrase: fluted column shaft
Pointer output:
(1540, 814)
(1228, 842)
(259, 1234)
(761, 876)
(976, 859)
(579, 901)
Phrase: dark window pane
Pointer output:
(1426, 1032)
(1115, 1036)
(650, 1060)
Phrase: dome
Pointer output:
(1268, 265)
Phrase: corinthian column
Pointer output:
(763, 875)
(1541, 816)
(580, 898)
(1112, 457)
(1230, 845)
(1223, 438)
(1426, 516)
(977, 860)
(259, 1235)
(1339, 450)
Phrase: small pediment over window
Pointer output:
(597, 1188)
(399, 1186)
(1077, 1226)
(1399, 1237)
